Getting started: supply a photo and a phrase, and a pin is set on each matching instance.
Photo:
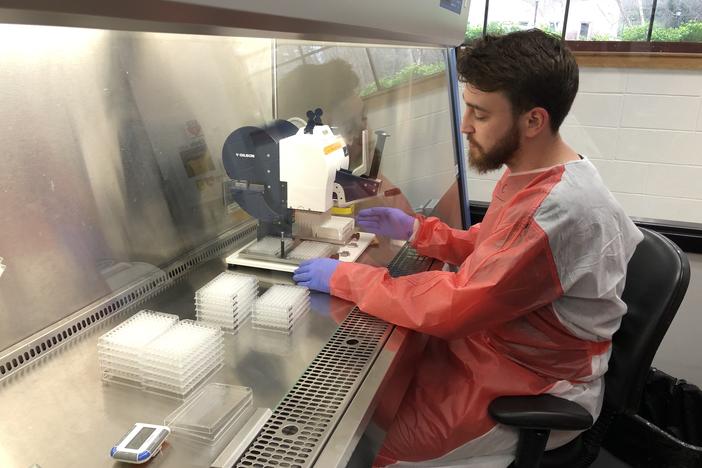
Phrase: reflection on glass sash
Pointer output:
(368, 93)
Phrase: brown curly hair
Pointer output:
(532, 68)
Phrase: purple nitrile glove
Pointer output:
(316, 273)
(389, 222)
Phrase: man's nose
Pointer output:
(466, 127)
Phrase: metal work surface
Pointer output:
(63, 389)
(58, 413)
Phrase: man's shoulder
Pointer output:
(580, 194)
(580, 206)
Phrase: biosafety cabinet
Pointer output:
(125, 128)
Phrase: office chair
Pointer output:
(657, 278)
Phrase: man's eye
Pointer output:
(480, 117)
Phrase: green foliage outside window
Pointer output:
(687, 32)
(405, 75)
(498, 29)
(494, 29)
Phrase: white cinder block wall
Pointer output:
(641, 128)
(418, 155)
(643, 131)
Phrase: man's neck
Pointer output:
(549, 152)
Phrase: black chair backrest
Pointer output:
(656, 282)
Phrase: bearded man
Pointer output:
(537, 297)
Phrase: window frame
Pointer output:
(648, 46)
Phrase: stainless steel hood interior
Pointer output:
(406, 22)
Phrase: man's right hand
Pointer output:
(389, 222)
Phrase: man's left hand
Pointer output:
(316, 273)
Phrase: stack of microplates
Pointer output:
(179, 359)
(269, 246)
(311, 249)
(279, 308)
(156, 352)
(227, 300)
(337, 228)
(120, 349)
(211, 412)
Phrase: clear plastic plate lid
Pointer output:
(211, 409)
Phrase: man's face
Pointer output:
(491, 129)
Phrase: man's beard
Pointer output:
(492, 160)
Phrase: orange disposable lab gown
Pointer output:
(531, 310)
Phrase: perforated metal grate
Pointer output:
(299, 427)
(305, 418)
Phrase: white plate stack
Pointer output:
(279, 308)
(269, 246)
(179, 359)
(311, 249)
(337, 227)
(120, 349)
(212, 412)
(227, 300)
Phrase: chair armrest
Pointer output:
(540, 412)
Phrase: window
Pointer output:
(608, 20)
(512, 15)
(393, 67)
(602, 25)
(584, 27)
(378, 68)
(476, 19)
(678, 20)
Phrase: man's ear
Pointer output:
(536, 121)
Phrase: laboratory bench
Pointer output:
(58, 412)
